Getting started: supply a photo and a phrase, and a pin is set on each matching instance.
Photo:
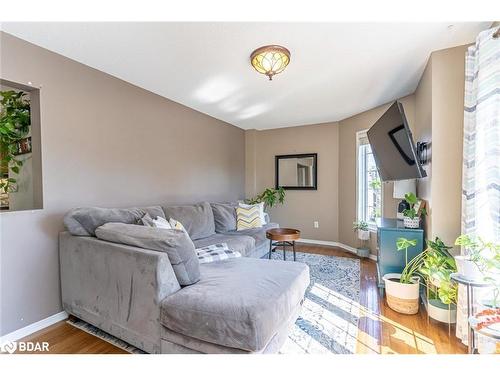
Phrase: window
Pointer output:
(369, 185)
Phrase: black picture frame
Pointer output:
(314, 186)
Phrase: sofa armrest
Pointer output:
(115, 287)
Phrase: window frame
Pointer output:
(360, 182)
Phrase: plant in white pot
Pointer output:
(402, 289)
(469, 265)
(435, 266)
(412, 215)
(363, 230)
(482, 263)
(363, 235)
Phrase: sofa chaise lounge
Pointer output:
(239, 305)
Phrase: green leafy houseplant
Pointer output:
(15, 121)
(403, 244)
(486, 257)
(435, 265)
(402, 289)
(412, 200)
(270, 197)
(360, 225)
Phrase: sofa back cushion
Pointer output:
(224, 216)
(176, 243)
(85, 220)
(198, 219)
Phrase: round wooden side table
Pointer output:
(282, 237)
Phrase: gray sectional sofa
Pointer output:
(238, 305)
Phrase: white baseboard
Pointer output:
(334, 244)
(34, 327)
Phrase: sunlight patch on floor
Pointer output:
(324, 312)
(395, 334)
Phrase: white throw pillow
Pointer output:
(162, 223)
(261, 210)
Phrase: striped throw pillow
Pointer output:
(247, 218)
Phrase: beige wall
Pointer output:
(106, 143)
(334, 203)
(448, 82)
(422, 131)
(302, 207)
(347, 170)
(439, 102)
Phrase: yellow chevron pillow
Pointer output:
(247, 218)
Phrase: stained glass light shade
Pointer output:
(270, 60)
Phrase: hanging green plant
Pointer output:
(15, 121)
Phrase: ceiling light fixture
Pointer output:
(270, 60)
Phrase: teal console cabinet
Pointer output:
(389, 259)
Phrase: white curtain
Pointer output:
(481, 154)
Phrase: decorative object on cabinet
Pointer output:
(413, 214)
(401, 188)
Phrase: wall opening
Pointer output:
(20, 147)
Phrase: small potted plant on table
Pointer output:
(480, 257)
(402, 289)
(412, 215)
(363, 235)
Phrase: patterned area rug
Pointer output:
(328, 322)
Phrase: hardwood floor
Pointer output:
(380, 330)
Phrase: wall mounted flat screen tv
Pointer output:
(393, 147)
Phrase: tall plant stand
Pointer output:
(429, 286)
(470, 286)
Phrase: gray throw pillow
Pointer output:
(176, 243)
(198, 219)
(146, 220)
(224, 216)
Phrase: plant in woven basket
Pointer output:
(15, 121)
(403, 288)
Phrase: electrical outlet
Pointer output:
(316, 224)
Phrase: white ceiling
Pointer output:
(336, 69)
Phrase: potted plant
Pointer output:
(363, 235)
(270, 197)
(362, 228)
(402, 289)
(482, 263)
(435, 266)
(412, 215)
(469, 265)
(15, 121)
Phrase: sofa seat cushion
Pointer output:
(242, 244)
(198, 219)
(258, 234)
(239, 303)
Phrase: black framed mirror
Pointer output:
(297, 171)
